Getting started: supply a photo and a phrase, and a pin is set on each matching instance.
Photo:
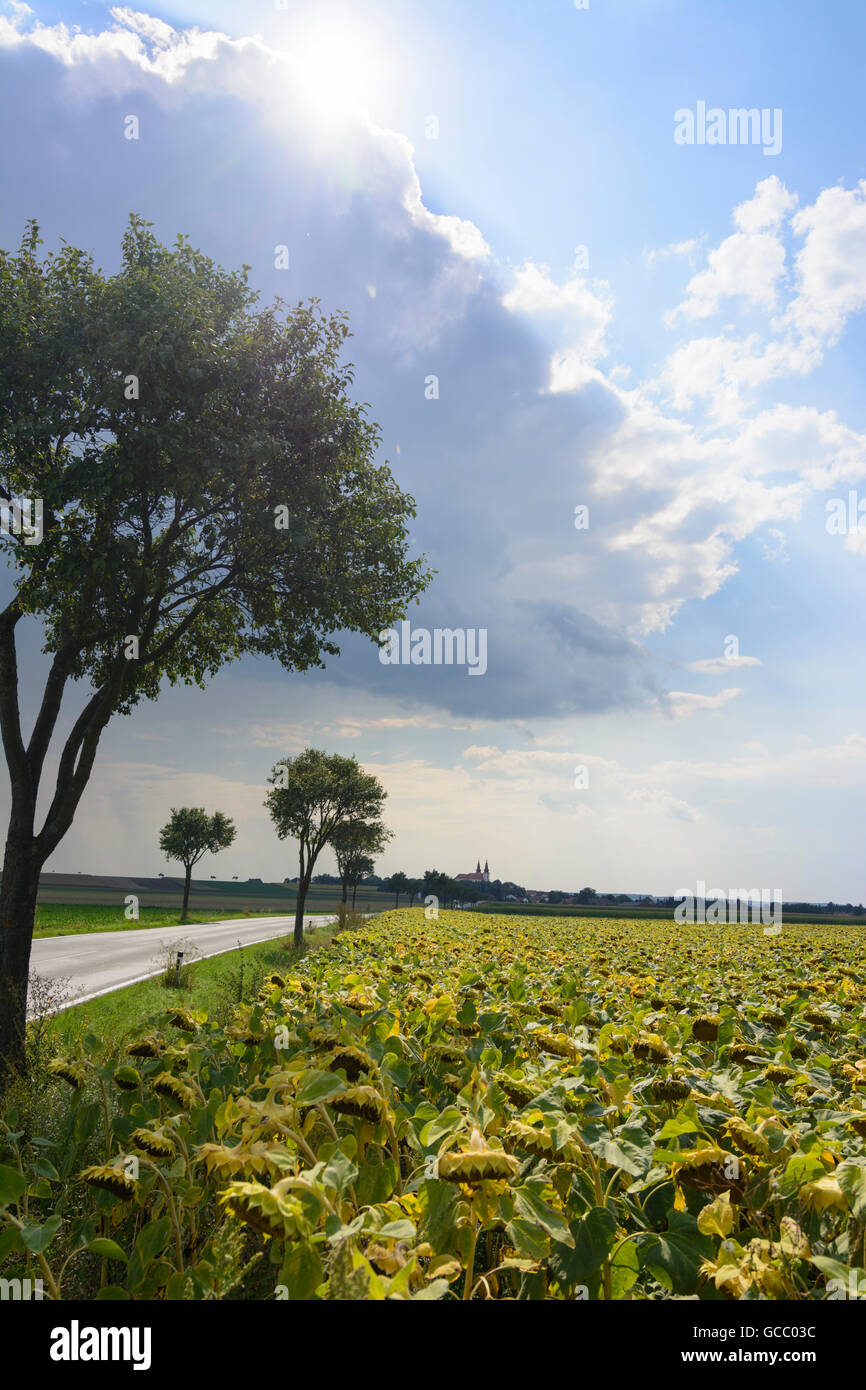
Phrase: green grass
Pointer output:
(66, 919)
(213, 984)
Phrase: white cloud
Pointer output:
(715, 665)
(682, 704)
(676, 249)
(578, 314)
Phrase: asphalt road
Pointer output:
(95, 963)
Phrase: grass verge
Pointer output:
(217, 983)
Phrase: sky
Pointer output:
(668, 335)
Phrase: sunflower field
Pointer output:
(473, 1107)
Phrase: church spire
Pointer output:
(478, 867)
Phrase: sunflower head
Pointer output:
(154, 1142)
(267, 1209)
(363, 1102)
(183, 1019)
(773, 1019)
(559, 1044)
(779, 1075)
(352, 1060)
(242, 1033)
(741, 1053)
(746, 1139)
(127, 1079)
(519, 1093)
(73, 1073)
(706, 1027)
(443, 1052)
(110, 1177)
(670, 1089)
(710, 1169)
(148, 1046)
(538, 1142)
(248, 1159)
(477, 1163)
(170, 1088)
(651, 1047)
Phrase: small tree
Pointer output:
(354, 841)
(362, 866)
(190, 835)
(311, 795)
(399, 883)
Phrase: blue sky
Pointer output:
(696, 384)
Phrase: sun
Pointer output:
(339, 71)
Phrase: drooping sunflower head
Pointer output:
(148, 1046)
(246, 1159)
(527, 1139)
(183, 1019)
(710, 1169)
(127, 1079)
(746, 1139)
(154, 1142)
(651, 1047)
(520, 1093)
(362, 1102)
(706, 1027)
(559, 1044)
(742, 1053)
(670, 1089)
(446, 1055)
(110, 1177)
(773, 1019)
(477, 1163)
(170, 1088)
(73, 1073)
(243, 1033)
(779, 1075)
(352, 1060)
(276, 1214)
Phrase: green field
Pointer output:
(633, 912)
(69, 919)
(210, 899)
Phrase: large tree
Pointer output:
(356, 843)
(208, 489)
(189, 835)
(311, 797)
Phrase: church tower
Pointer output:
(486, 871)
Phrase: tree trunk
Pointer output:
(345, 887)
(303, 885)
(354, 891)
(17, 915)
(186, 884)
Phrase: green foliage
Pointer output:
(191, 833)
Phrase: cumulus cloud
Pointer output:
(529, 420)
